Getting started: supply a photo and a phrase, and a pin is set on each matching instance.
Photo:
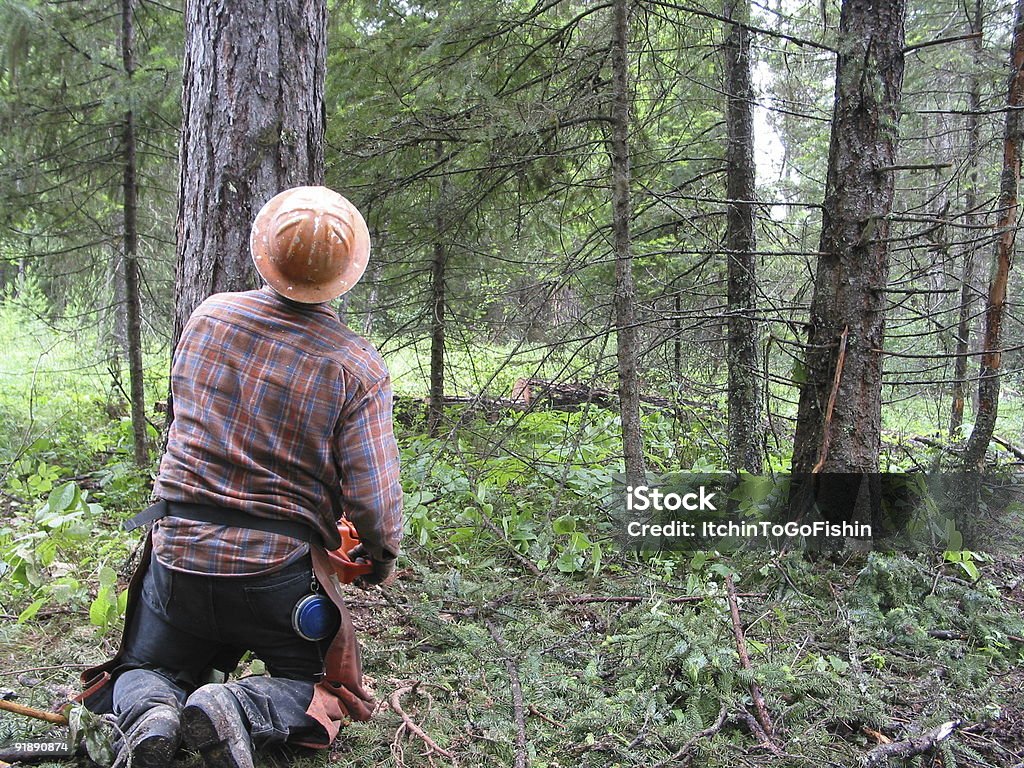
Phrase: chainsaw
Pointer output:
(348, 570)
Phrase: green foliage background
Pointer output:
(622, 660)
(483, 126)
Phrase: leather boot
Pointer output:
(154, 739)
(212, 723)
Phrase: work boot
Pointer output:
(154, 739)
(212, 723)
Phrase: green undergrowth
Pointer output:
(511, 580)
(626, 668)
(838, 649)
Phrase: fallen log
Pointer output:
(535, 393)
(567, 396)
(532, 394)
(409, 410)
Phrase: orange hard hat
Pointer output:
(310, 244)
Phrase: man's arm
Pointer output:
(367, 455)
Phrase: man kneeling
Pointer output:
(282, 427)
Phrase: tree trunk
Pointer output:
(746, 434)
(677, 343)
(437, 313)
(995, 307)
(625, 315)
(253, 125)
(967, 290)
(133, 302)
(376, 273)
(839, 415)
(117, 316)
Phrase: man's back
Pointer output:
(272, 402)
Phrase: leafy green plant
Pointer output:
(966, 560)
(49, 553)
(110, 604)
(576, 550)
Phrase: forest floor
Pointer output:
(516, 633)
(639, 667)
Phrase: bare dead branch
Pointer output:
(910, 747)
(741, 648)
(517, 695)
(826, 429)
(942, 41)
(395, 702)
(711, 730)
(751, 27)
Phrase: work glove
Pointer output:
(381, 568)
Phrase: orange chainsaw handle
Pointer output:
(345, 569)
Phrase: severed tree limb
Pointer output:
(910, 747)
(711, 730)
(395, 702)
(517, 696)
(20, 709)
(760, 709)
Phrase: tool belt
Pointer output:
(345, 569)
(234, 518)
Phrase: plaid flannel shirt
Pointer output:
(282, 412)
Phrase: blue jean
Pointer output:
(186, 625)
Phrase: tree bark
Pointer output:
(625, 293)
(839, 415)
(967, 289)
(133, 302)
(1006, 227)
(253, 125)
(438, 263)
(746, 433)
